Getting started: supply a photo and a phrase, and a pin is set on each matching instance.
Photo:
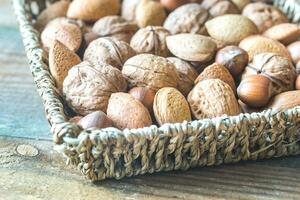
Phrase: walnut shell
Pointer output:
(150, 70)
(192, 47)
(127, 112)
(217, 71)
(61, 60)
(278, 68)
(213, 98)
(264, 15)
(129, 9)
(187, 75)
(285, 33)
(257, 44)
(150, 13)
(230, 29)
(151, 39)
(88, 87)
(220, 7)
(108, 50)
(64, 31)
(115, 27)
(93, 10)
(189, 18)
(55, 10)
(170, 106)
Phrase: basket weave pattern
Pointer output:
(111, 153)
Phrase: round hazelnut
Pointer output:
(294, 50)
(233, 58)
(298, 83)
(144, 95)
(95, 120)
(173, 4)
(255, 91)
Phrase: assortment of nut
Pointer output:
(134, 63)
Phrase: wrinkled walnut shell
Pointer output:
(115, 27)
(150, 70)
(189, 18)
(151, 39)
(108, 50)
(88, 87)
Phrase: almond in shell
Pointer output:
(170, 106)
(285, 100)
(127, 112)
(285, 33)
(61, 59)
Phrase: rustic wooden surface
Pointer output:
(24, 175)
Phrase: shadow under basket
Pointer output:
(111, 153)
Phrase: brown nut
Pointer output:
(285, 33)
(264, 15)
(220, 7)
(127, 112)
(230, 29)
(248, 109)
(92, 10)
(213, 98)
(151, 39)
(170, 106)
(255, 90)
(187, 75)
(217, 71)
(192, 47)
(173, 4)
(75, 119)
(95, 120)
(67, 33)
(115, 27)
(55, 10)
(297, 84)
(233, 58)
(257, 44)
(108, 50)
(294, 50)
(147, 70)
(150, 13)
(61, 60)
(144, 95)
(129, 9)
(277, 68)
(88, 87)
(285, 100)
(189, 18)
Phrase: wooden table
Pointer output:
(45, 176)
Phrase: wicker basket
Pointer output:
(111, 153)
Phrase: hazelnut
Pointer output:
(173, 4)
(233, 58)
(249, 109)
(95, 120)
(298, 83)
(144, 95)
(255, 91)
(294, 50)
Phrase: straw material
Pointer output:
(111, 153)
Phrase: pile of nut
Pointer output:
(134, 63)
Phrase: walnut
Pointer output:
(151, 39)
(189, 18)
(264, 15)
(87, 87)
(150, 70)
(108, 50)
(213, 98)
(277, 68)
(220, 7)
(187, 75)
(115, 27)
